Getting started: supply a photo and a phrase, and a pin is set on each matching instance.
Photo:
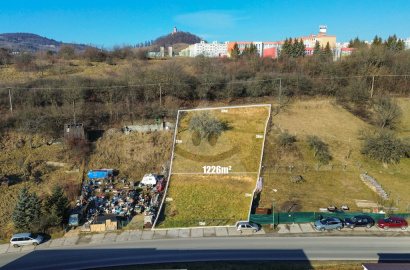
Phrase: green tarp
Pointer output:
(305, 217)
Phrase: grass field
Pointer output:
(196, 195)
(335, 184)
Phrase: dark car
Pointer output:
(359, 221)
(392, 222)
(328, 224)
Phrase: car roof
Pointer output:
(332, 218)
(21, 235)
(396, 218)
(362, 216)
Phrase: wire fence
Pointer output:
(307, 217)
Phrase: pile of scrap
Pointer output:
(373, 185)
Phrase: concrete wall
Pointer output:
(149, 128)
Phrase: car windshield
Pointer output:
(388, 220)
(33, 235)
(323, 221)
(353, 219)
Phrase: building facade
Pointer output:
(213, 49)
(322, 37)
(264, 49)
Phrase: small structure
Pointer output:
(5, 182)
(73, 131)
(104, 223)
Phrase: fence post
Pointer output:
(304, 167)
(344, 167)
(276, 168)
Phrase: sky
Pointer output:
(109, 23)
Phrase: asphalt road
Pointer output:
(212, 249)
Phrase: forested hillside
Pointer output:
(32, 42)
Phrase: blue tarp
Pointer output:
(100, 174)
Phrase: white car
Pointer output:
(22, 239)
(243, 226)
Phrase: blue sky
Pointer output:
(108, 23)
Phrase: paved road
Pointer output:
(212, 248)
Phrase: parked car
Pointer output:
(22, 239)
(161, 184)
(328, 224)
(359, 221)
(392, 222)
(243, 226)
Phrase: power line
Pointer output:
(190, 84)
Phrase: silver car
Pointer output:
(243, 226)
(328, 224)
(22, 239)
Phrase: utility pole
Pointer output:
(280, 92)
(160, 97)
(74, 110)
(371, 93)
(11, 103)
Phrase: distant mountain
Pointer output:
(176, 37)
(32, 42)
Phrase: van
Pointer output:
(22, 239)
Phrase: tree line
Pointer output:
(134, 93)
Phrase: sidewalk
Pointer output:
(297, 229)
(72, 239)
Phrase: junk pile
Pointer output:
(106, 201)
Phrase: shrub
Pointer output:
(384, 146)
(286, 139)
(321, 150)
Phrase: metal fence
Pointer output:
(306, 217)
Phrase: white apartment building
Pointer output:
(213, 49)
(407, 44)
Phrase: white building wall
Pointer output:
(213, 49)
(407, 44)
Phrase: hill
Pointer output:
(32, 42)
(177, 37)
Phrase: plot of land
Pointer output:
(213, 179)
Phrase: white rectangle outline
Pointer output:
(173, 148)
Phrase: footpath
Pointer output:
(287, 230)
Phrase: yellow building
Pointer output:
(322, 37)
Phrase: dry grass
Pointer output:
(237, 147)
(216, 196)
(133, 155)
(339, 129)
(208, 197)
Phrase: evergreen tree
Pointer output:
(235, 51)
(295, 48)
(287, 47)
(302, 48)
(317, 50)
(356, 43)
(377, 41)
(253, 49)
(394, 44)
(328, 52)
(27, 210)
(56, 205)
